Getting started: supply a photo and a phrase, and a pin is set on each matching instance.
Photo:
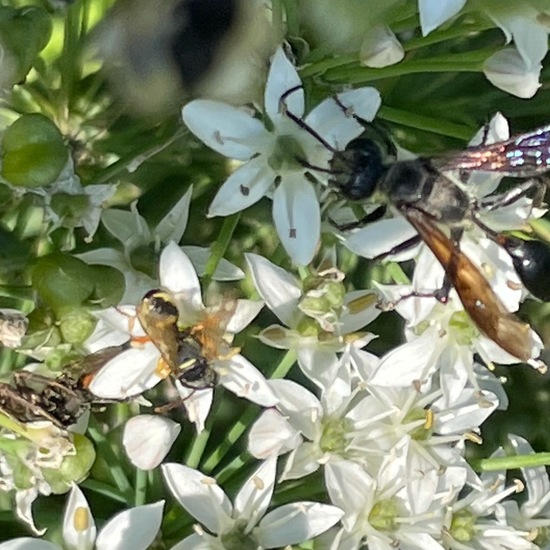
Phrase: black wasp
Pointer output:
(422, 192)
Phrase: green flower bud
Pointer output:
(73, 468)
(33, 151)
(62, 280)
(76, 325)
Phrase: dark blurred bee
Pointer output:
(422, 192)
(61, 400)
(186, 353)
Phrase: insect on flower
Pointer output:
(61, 400)
(186, 353)
(424, 192)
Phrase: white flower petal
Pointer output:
(319, 365)
(282, 78)
(23, 508)
(243, 315)
(337, 126)
(197, 404)
(255, 495)
(296, 522)
(297, 217)
(276, 286)
(299, 405)
(538, 485)
(467, 413)
(172, 226)
(200, 495)
(148, 438)
(79, 530)
(204, 541)
(128, 227)
(177, 274)
(232, 132)
(302, 461)
(408, 363)
(530, 36)
(242, 378)
(28, 543)
(435, 12)
(133, 529)
(225, 271)
(128, 374)
(360, 310)
(506, 69)
(243, 188)
(105, 256)
(381, 237)
(349, 486)
(272, 435)
(380, 48)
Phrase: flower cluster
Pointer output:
(394, 293)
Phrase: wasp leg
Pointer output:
(519, 191)
(377, 214)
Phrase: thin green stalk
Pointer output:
(244, 422)
(105, 450)
(141, 487)
(284, 365)
(429, 124)
(104, 489)
(458, 63)
(511, 462)
(219, 247)
(277, 20)
(71, 52)
(232, 436)
(234, 466)
(196, 451)
(144, 152)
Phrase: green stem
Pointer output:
(277, 20)
(196, 452)
(245, 420)
(234, 466)
(429, 124)
(71, 52)
(219, 247)
(231, 438)
(511, 462)
(284, 365)
(458, 63)
(105, 450)
(144, 151)
(141, 487)
(105, 490)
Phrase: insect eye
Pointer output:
(164, 307)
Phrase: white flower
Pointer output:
(274, 162)
(132, 231)
(478, 521)
(245, 523)
(534, 511)
(133, 529)
(323, 319)
(380, 511)
(507, 70)
(62, 212)
(135, 370)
